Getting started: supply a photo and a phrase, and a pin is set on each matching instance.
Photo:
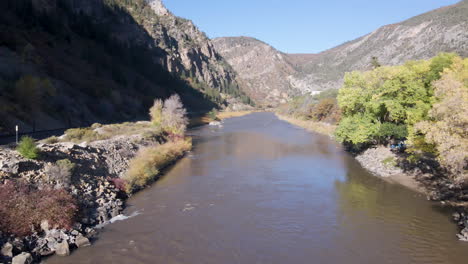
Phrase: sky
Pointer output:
(298, 26)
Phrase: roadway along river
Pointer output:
(260, 190)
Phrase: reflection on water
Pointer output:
(259, 190)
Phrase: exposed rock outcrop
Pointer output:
(264, 71)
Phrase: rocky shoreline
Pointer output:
(424, 177)
(95, 183)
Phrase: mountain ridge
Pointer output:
(419, 37)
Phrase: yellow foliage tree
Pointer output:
(447, 128)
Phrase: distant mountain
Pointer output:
(75, 62)
(264, 71)
(421, 37)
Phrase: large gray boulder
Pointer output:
(62, 249)
(23, 258)
(82, 241)
(7, 250)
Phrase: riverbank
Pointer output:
(394, 167)
(205, 119)
(89, 166)
(379, 160)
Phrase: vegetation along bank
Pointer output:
(57, 193)
(406, 123)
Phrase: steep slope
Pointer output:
(263, 69)
(71, 63)
(266, 70)
(421, 37)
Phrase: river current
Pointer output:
(259, 190)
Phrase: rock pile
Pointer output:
(380, 160)
(96, 167)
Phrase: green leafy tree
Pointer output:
(386, 102)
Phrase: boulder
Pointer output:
(62, 249)
(7, 250)
(23, 258)
(82, 241)
(45, 225)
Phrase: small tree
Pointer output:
(174, 116)
(156, 112)
(375, 62)
(27, 148)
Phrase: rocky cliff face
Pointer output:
(421, 37)
(84, 61)
(263, 69)
(188, 51)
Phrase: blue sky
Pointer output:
(298, 26)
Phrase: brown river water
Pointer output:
(259, 190)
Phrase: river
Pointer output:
(259, 190)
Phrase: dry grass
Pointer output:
(102, 132)
(126, 129)
(224, 115)
(203, 120)
(319, 127)
(145, 167)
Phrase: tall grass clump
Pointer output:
(27, 148)
(79, 135)
(145, 167)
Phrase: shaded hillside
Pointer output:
(72, 63)
(266, 70)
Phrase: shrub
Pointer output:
(61, 172)
(81, 135)
(119, 183)
(323, 109)
(27, 148)
(23, 208)
(213, 114)
(152, 134)
(96, 125)
(51, 140)
(389, 162)
(144, 168)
